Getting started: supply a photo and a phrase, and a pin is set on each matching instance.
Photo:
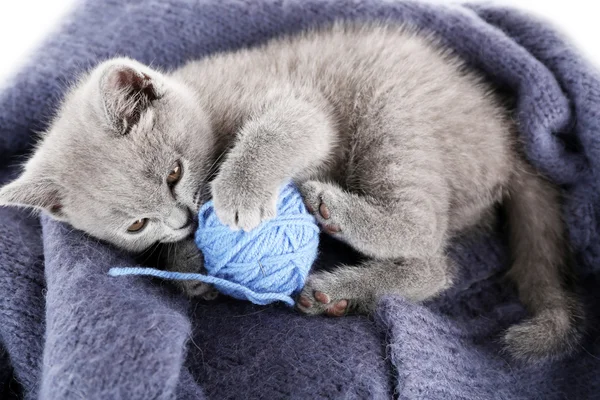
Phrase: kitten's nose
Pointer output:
(179, 218)
(191, 221)
(188, 223)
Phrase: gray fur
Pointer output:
(402, 145)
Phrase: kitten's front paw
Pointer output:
(240, 207)
(198, 289)
(185, 257)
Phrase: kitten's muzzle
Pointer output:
(188, 224)
(191, 223)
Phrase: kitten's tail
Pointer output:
(542, 264)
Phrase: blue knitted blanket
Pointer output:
(70, 331)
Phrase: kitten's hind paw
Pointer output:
(315, 299)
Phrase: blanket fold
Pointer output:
(99, 327)
(70, 331)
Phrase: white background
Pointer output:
(23, 23)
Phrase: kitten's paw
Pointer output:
(323, 202)
(198, 289)
(242, 209)
(321, 296)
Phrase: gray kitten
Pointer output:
(394, 143)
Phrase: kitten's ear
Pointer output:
(31, 193)
(126, 92)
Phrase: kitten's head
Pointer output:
(126, 160)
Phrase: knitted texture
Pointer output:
(268, 264)
(70, 331)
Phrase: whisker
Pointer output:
(149, 252)
(169, 247)
(213, 167)
(162, 248)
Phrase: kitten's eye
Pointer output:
(138, 225)
(175, 174)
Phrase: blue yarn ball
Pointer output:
(269, 263)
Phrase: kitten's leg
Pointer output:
(404, 234)
(358, 288)
(408, 225)
(184, 256)
(398, 198)
(395, 212)
(293, 134)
